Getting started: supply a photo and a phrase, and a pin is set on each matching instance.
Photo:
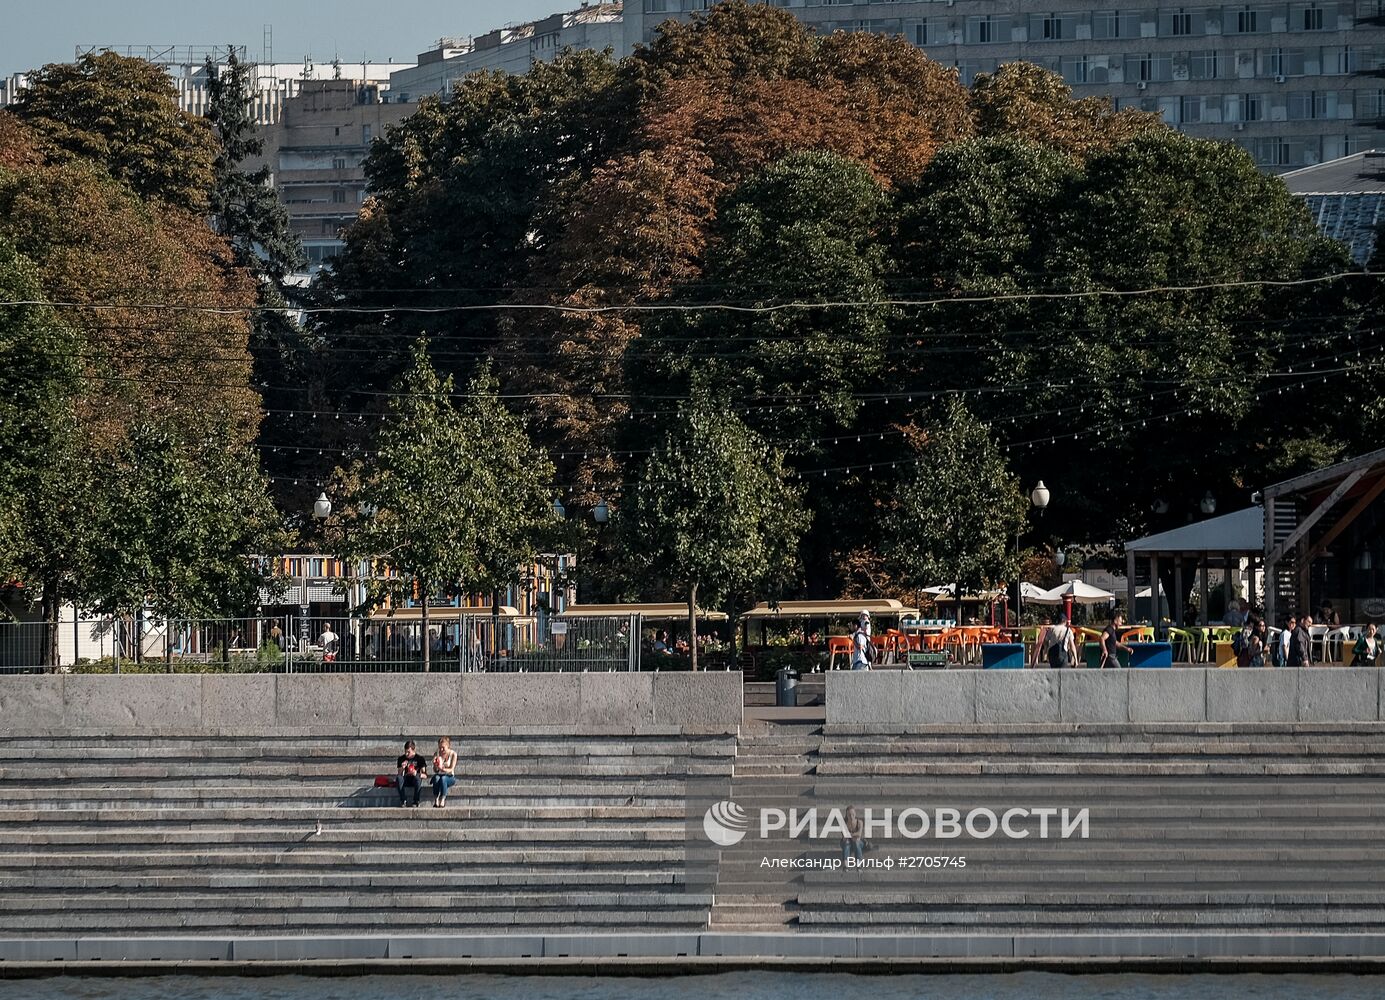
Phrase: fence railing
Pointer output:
(325, 644)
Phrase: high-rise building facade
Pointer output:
(1293, 83)
(315, 153)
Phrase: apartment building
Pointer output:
(315, 153)
(1293, 83)
(186, 65)
(513, 49)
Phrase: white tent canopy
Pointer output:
(1081, 593)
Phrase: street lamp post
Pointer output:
(1038, 499)
(601, 515)
(322, 509)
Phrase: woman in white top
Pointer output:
(444, 771)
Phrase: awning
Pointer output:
(819, 609)
(1240, 532)
(446, 614)
(943, 594)
(660, 611)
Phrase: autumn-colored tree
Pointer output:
(1025, 101)
(134, 278)
(124, 114)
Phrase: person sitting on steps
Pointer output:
(412, 770)
(444, 771)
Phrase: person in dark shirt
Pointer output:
(1301, 643)
(1111, 644)
(413, 768)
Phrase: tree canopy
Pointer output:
(712, 516)
(123, 113)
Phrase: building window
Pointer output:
(1106, 24)
(1248, 20)
(1152, 68)
(1176, 22)
(1308, 18)
(987, 29)
(1074, 69)
(1204, 65)
(1190, 110)
(365, 135)
(1245, 108)
(918, 32)
(338, 196)
(1282, 62)
(339, 163)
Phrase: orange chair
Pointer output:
(838, 644)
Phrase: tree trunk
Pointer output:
(427, 653)
(692, 622)
(51, 606)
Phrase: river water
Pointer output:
(734, 986)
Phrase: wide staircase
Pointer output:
(286, 834)
(1193, 830)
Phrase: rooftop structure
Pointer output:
(186, 66)
(1347, 199)
(512, 49)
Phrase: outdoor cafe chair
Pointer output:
(1140, 633)
(838, 644)
(1317, 638)
(1192, 641)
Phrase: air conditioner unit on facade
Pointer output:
(1239, 126)
(1142, 85)
(1279, 79)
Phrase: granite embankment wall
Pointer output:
(871, 699)
(458, 703)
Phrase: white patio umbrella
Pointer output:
(1032, 592)
(1077, 591)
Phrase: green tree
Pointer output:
(456, 496)
(45, 514)
(123, 113)
(712, 513)
(243, 205)
(178, 523)
(516, 480)
(953, 519)
(805, 229)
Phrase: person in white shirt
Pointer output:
(1285, 638)
(861, 649)
(328, 641)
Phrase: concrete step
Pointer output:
(311, 856)
(368, 920)
(340, 880)
(439, 836)
(470, 772)
(113, 903)
(158, 816)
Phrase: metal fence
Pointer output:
(327, 644)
